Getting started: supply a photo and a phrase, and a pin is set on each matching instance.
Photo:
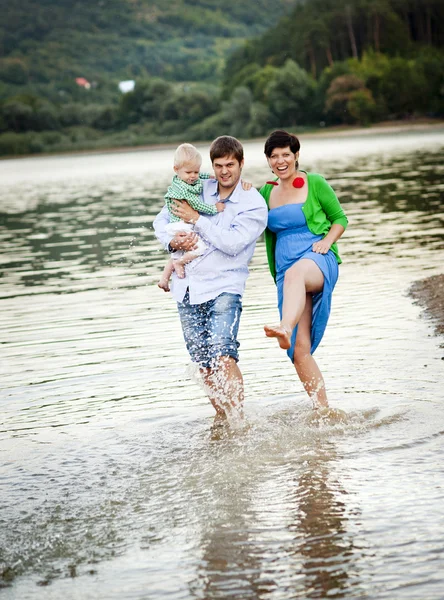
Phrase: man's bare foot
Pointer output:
(180, 270)
(220, 420)
(282, 334)
(220, 428)
(164, 285)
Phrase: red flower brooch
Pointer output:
(298, 182)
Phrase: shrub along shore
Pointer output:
(107, 144)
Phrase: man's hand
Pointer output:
(184, 240)
(183, 210)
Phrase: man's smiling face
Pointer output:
(228, 171)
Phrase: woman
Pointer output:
(305, 220)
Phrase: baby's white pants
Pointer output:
(180, 226)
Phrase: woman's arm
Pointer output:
(330, 204)
(332, 207)
(324, 245)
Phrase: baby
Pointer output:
(186, 185)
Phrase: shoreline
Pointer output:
(429, 295)
(333, 131)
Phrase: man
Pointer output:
(209, 298)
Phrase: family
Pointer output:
(210, 225)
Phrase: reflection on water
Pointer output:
(290, 534)
(111, 485)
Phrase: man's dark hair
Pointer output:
(226, 145)
(281, 139)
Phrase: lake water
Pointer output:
(111, 484)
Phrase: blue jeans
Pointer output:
(210, 329)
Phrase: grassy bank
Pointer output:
(81, 141)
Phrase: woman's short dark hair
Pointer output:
(226, 145)
(281, 139)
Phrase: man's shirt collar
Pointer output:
(233, 197)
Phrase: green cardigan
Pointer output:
(321, 209)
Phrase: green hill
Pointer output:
(202, 68)
(182, 40)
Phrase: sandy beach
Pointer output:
(429, 293)
(384, 127)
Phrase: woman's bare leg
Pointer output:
(305, 365)
(304, 276)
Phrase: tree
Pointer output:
(339, 94)
(430, 63)
(191, 106)
(16, 115)
(290, 94)
(258, 82)
(402, 87)
(361, 106)
(146, 103)
(28, 113)
(237, 111)
(14, 70)
(261, 120)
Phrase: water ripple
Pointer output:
(112, 484)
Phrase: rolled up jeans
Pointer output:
(210, 329)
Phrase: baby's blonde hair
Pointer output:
(186, 153)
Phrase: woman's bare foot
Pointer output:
(282, 334)
(328, 416)
(180, 270)
(164, 285)
(317, 403)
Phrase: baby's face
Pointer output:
(188, 172)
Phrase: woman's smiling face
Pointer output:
(282, 162)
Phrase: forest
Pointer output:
(201, 71)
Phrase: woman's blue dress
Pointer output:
(294, 241)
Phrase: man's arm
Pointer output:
(159, 224)
(246, 227)
(244, 230)
(181, 241)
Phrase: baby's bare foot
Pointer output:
(282, 334)
(164, 285)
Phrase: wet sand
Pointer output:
(429, 293)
